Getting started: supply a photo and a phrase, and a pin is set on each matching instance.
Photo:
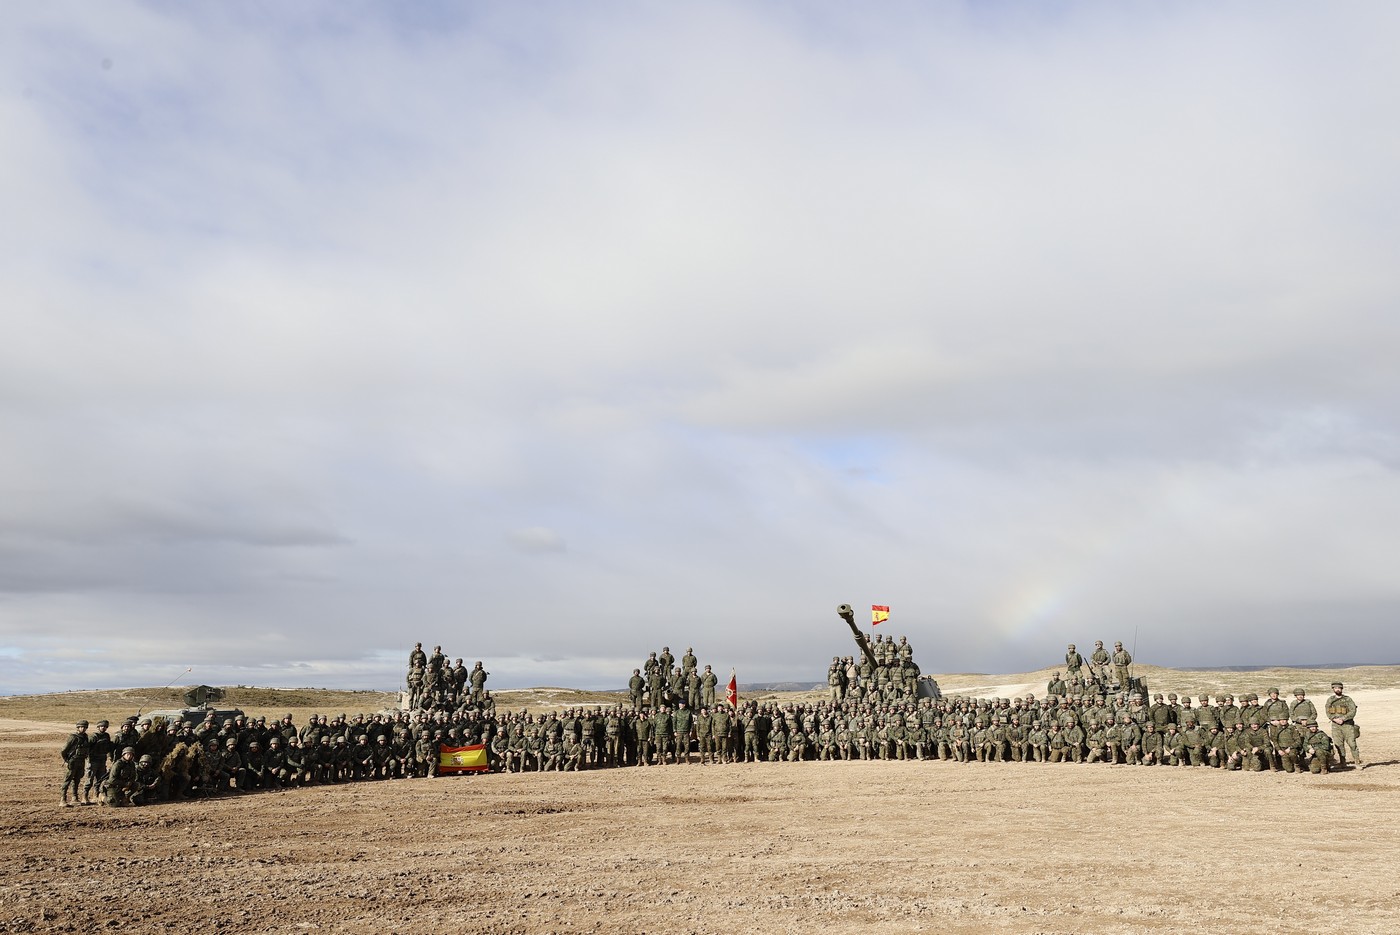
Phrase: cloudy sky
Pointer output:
(557, 332)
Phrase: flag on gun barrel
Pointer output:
(879, 613)
(470, 759)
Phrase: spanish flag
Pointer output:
(462, 759)
(879, 613)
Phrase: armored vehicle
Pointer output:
(199, 705)
(928, 686)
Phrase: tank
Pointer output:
(927, 685)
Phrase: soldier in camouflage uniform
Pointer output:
(1317, 749)
(1341, 711)
(75, 757)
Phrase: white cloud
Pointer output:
(330, 325)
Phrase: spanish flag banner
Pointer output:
(879, 613)
(462, 759)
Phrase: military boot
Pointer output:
(66, 803)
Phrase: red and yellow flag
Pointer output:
(470, 759)
(879, 613)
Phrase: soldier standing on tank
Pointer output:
(836, 680)
(478, 680)
(1098, 662)
(75, 757)
(1122, 662)
(634, 689)
(1341, 711)
(1074, 663)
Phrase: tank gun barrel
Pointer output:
(848, 614)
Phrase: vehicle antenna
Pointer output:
(163, 688)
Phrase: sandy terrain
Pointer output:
(830, 847)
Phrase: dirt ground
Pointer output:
(833, 847)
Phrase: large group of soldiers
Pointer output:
(873, 712)
(893, 674)
(434, 683)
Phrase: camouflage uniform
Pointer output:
(1341, 711)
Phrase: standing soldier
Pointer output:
(1073, 663)
(688, 662)
(121, 781)
(634, 689)
(680, 728)
(75, 757)
(705, 735)
(1122, 660)
(1275, 713)
(836, 680)
(478, 678)
(1301, 711)
(100, 749)
(1098, 661)
(1341, 711)
(708, 682)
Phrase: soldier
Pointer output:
(1341, 711)
(634, 689)
(573, 755)
(418, 659)
(478, 680)
(1122, 662)
(1206, 716)
(1150, 744)
(681, 720)
(1275, 713)
(1073, 663)
(1288, 747)
(708, 683)
(100, 753)
(704, 725)
(836, 680)
(75, 758)
(721, 724)
(121, 780)
(147, 782)
(1195, 740)
(458, 680)
(688, 662)
(1301, 711)
(1174, 747)
(1098, 661)
(1097, 743)
(661, 734)
(645, 731)
(1317, 749)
